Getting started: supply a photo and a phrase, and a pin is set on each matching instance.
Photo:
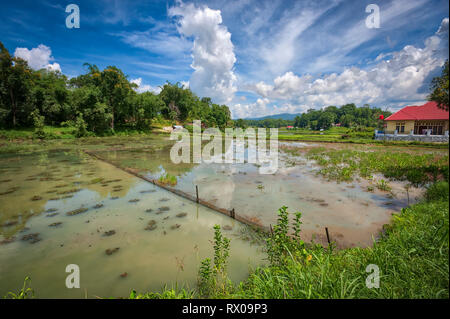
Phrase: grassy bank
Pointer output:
(333, 135)
(412, 256)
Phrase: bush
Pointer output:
(80, 127)
(437, 191)
(38, 121)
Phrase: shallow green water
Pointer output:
(39, 239)
(353, 215)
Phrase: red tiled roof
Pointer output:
(428, 111)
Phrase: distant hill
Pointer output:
(283, 116)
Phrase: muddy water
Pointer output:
(61, 208)
(353, 215)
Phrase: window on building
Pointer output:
(400, 127)
(421, 127)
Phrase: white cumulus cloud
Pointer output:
(145, 87)
(212, 52)
(401, 76)
(38, 58)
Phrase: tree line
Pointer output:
(98, 101)
(347, 115)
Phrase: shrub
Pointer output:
(38, 121)
(80, 126)
(437, 191)
(212, 277)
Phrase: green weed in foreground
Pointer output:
(25, 292)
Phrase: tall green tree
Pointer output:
(15, 83)
(115, 89)
(439, 87)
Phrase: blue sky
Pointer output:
(259, 57)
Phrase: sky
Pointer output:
(258, 57)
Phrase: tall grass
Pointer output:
(346, 164)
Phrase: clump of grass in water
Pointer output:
(418, 169)
(383, 185)
(168, 179)
(77, 211)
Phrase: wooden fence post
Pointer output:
(196, 191)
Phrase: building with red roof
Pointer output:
(419, 120)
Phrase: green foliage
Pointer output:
(439, 87)
(212, 278)
(205, 278)
(437, 191)
(345, 164)
(107, 100)
(168, 179)
(25, 292)
(280, 245)
(417, 246)
(80, 126)
(383, 185)
(38, 121)
(172, 293)
(347, 115)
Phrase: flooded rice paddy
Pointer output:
(65, 207)
(353, 215)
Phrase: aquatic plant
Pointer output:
(168, 179)
(31, 238)
(77, 211)
(383, 185)
(345, 164)
(25, 292)
(55, 224)
(151, 225)
(111, 251)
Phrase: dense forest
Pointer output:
(96, 102)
